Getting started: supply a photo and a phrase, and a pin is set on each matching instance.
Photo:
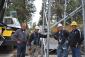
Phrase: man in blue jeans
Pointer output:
(21, 38)
(62, 37)
(75, 40)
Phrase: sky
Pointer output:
(36, 15)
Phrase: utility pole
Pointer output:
(83, 12)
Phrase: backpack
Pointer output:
(81, 35)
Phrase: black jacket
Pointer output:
(35, 37)
(62, 35)
(74, 38)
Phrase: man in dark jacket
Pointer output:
(21, 38)
(75, 40)
(62, 37)
(35, 40)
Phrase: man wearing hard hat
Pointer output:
(35, 40)
(62, 37)
(74, 40)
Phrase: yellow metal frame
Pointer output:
(7, 33)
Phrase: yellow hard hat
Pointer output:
(74, 23)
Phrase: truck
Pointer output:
(8, 27)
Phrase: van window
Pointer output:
(8, 21)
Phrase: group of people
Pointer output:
(22, 38)
(65, 39)
(72, 39)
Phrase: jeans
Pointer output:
(35, 51)
(21, 48)
(62, 50)
(76, 52)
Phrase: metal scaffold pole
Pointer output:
(65, 5)
(83, 12)
(71, 14)
(46, 18)
(48, 25)
(45, 8)
(43, 27)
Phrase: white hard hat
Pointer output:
(37, 27)
(59, 25)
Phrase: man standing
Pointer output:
(35, 39)
(75, 40)
(21, 38)
(62, 37)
